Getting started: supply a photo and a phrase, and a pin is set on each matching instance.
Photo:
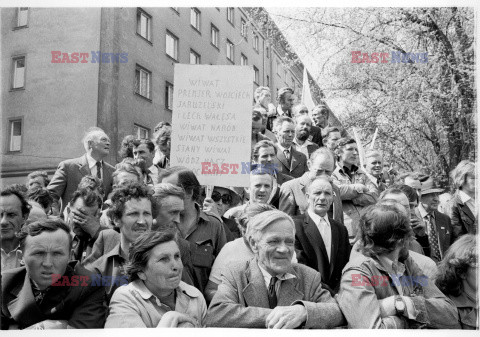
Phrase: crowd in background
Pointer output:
(315, 241)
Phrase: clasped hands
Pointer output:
(286, 317)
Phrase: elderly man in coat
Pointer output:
(270, 291)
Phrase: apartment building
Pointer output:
(66, 69)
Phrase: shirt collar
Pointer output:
(393, 268)
(316, 218)
(341, 168)
(372, 178)
(463, 301)
(182, 288)
(306, 143)
(283, 149)
(280, 111)
(16, 250)
(91, 162)
(423, 212)
(267, 276)
(464, 197)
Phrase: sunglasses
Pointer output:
(226, 198)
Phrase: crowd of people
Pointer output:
(315, 241)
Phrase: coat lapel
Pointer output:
(295, 158)
(335, 241)
(466, 211)
(442, 230)
(281, 158)
(318, 245)
(255, 293)
(288, 292)
(84, 169)
(24, 308)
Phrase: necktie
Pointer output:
(287, 155)
(433, 240)
(99, 169)
(272, 296)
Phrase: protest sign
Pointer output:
(212, 122)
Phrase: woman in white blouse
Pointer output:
(155, 295)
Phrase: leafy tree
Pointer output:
(425, 112)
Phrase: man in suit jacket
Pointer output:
(302, 133)
(49, 292)
(285, 100)
(70, 172)
(438, 232)
(293, 199)
(463, 219)
(321, 242)
(292, 162)
(264, 154)
(270, 291)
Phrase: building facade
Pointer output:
(67, 69)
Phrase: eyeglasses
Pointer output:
(226, 198)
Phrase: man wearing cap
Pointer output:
(438, 227)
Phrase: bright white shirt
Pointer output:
(92, 165)
(324, 228)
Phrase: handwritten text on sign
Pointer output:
(212, 120)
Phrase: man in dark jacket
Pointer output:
(50, 293)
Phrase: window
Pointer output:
(243, 60)
(256, 75)
(141, 132)
(194, 57)
(169, 96)
(230, 14)
(215, 35)
(15, 133)
(22, 16)
(278, 67)
(268, 81)
(229, 50)
(144, 22)
(285, 72)
(18, 73)
(243, 30)
(195, 18)
(143, 82)
(255, 42)
(267, 51)
(172, 46)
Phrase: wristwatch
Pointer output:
(399, 305)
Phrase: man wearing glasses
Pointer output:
(224, 198)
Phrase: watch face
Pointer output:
(399, 305)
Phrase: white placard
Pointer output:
(212, 122)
